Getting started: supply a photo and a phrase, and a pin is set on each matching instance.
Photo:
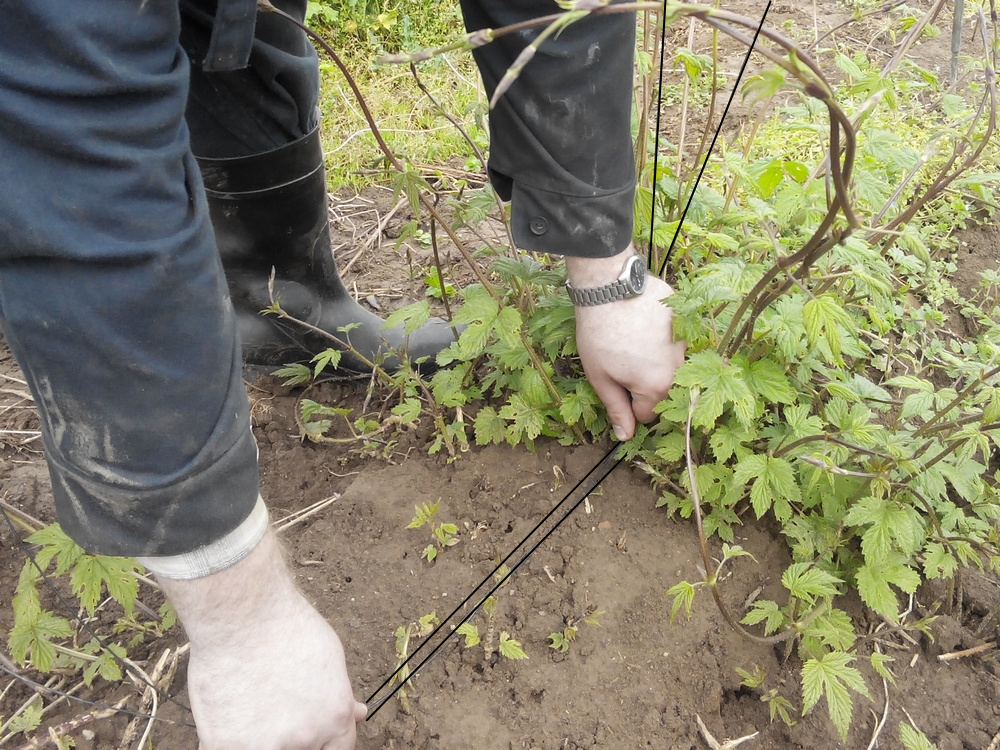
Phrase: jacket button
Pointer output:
(538, 225)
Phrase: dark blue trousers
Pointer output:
(112, 295)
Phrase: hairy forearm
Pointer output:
(220, 607)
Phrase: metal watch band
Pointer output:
(600, 295)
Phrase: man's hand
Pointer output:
(627, 347)
(266, 672)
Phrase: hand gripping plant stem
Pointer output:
(796, 62)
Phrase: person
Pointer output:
(158, 161)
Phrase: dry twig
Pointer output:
(954, 655)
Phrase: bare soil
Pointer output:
(634, 681)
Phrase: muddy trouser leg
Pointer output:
(112, 295)
(560, 137)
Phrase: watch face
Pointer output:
(637, 275)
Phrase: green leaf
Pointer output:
(874, 585)
(408, 410)
(510, 648)
(508, 325)
(410, 183)
(532, 388)
(832, 677)
(294, 374)
(93, 572)
(774, 484)
(489, 426)
(833, 629)
(938, 561)
(767, 379)
(720, 383)
(473, 340)
(28, 720)
(425, 513)
(526, 420)
(471, 633)
(32, 637)
(768, 612)
(879, 664)
(827, 322)
(55, 544)
(326, 358)
(410, 317)
(479, 307)
(753, 679)
(913, 739)
(726, 441)
(683, 594)
(919, 404)
(806, 582)
(107, 664)
(893, 526)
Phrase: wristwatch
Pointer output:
(630, 283)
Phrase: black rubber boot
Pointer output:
(270, 211)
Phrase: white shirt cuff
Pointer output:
(217, 556)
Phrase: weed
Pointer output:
(777, 704)
(444, 534)
(560, 640)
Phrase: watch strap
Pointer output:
(600, 295)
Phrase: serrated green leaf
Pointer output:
(473, 340)
(510, 648)
(914, 739)
(833, 629)
(880, 664)
(93, 572)
(767, 379)
(525, 421)
(768, 612)
(911, 383)
(294, 374)
(326, 358)
(107, 664)
(533, 389)
(826, 322)
(408, 410)
(938, 561)
(918, 404)
(490, 428)
(508, 325)
(425, 513)
(774, 484)
(55, 544)
(805, 581)
(683, 594)
(720, 383)
(876, 592)
(478, 306)
(31, 637)
(28, 720)
(831, 676)
(412, 316)
(471, 633)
